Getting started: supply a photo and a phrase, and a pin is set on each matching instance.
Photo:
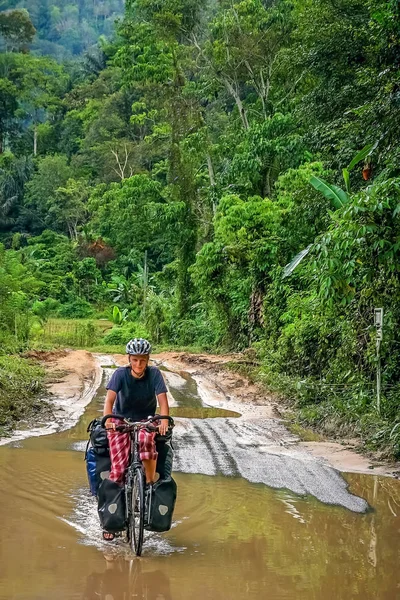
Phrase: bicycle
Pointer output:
(137, 502)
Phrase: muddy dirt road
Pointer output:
(257, 514)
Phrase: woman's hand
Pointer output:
(163, 426)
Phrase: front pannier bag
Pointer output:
(97, 456)
(164, 459)
(98, 468)
(98, 437)
(111, 506)
(162, 505)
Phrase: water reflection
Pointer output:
(232, 540)
(124, 579)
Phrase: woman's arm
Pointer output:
(164, 411)
(108, 406)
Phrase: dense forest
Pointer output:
(219, 174)
(64, 29)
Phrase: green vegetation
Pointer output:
(56, 28)
(20, 383)
(216, 174)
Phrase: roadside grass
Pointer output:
(95, 335)
(21, 384)
(305, 434)
(157, 349)
(105, 348)
(92, 334)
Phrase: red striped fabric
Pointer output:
(120, 444)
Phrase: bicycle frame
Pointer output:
(135, 463)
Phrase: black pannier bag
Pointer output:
(98, 437)
(98, 468)
(97, 456)
(163, 497)
(111, 506)
(164, 459)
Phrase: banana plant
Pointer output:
(119, 316)
(337, 196)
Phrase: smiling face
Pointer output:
(138, 364)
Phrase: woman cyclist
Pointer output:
(133, 392)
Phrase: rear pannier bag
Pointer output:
(97, 456)
(111, 506)
(162, 505)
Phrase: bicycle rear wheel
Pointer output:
(136, 521)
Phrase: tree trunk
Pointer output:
(35, 133)
(210, 170)
(145, 281)
(239, 104)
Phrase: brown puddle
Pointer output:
(203, 412)
(232, 539)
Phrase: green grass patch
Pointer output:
(304, 433)
(21, 384)
(105, 348)
(120, 348)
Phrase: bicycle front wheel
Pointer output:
(136, 522)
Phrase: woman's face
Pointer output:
(138, 364)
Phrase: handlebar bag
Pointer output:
(111, 506)
(162, 505)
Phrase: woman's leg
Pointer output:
(120, 445)
(148, 454)
(150, 470)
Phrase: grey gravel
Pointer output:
(256, 452)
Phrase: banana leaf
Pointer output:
(335, 194)
(361, 155)
(290, 267)
(346, 177)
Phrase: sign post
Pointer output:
(378, 318)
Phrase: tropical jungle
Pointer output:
(220, 175)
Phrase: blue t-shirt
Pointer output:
(136, 398)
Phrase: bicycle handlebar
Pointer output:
(147, 423)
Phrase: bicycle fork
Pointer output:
(147, 504)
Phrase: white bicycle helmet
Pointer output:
(138, 346)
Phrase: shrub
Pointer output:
(77, 309)
(46, 308)
(122, 334)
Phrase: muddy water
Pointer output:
(232, 539)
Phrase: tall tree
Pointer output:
(16, 29)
